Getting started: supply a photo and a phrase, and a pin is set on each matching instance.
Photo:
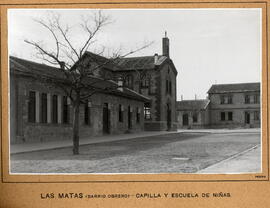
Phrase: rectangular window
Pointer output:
(120, 113)
(222, 116)
(32, 107)
(230, 116)
(44, 108)
(54, 109)
(256, 115)
(256, 99)
(226, 99)
(138, 115)
(128, 82)
(86, 114)
(145, 83)
(230, 99)
(147, 113)
(222, 99)
(65, 110)
(247, 99)
(170, 87)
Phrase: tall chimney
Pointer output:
(166, 46)
(155, 58)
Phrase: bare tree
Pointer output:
(69, 59)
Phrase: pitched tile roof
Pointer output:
(192, 104)
(32, 68)
(142, 62)
(131, 63)
(125, 64)
(102, 61)
(25, 67)
(239, 87)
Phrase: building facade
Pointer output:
(227, 106)
(235, 105)
(193, 114)
(154, 77)
(144, 99)
(151, 76)
(40, 111)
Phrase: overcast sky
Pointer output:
(207, 46)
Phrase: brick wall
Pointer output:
(202, 121)
(158, 95)
(166, 73)
(23, 130)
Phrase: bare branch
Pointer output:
(50, 28)
(100, 20)
(64, 34)
(42, 50)
(74, 68)
(68, 55)
(137, 49)
(116, 58)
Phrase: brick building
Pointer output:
(235, 105)
(193, 113)
(227, 106)
(146, 99)
(40, 111)
(151, 76)
(155, 77)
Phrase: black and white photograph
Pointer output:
(135, 91)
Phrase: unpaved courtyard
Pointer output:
(172, 153)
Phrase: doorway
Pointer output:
(169, 117)
(129, 118)
(185, 119)
(247, 118)
(106, 118)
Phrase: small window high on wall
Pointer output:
(32, 107)
(65, 110)
(54, 109)
(145, 82)
(86, 113)
(128, 82)
(44, 108)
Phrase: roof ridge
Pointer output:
(194, 100)
(237, 83)
(149, 56)
(235, 87)
(31, 62)
(89, 52)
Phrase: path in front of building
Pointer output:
(29, 147)
(248, 161)
(168, 153)
(36, 146)
(222, 131)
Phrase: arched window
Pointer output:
(168, 86)
(145, 81)
(128, 82)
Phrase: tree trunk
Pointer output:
(76, 115)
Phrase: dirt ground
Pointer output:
(173, 153)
